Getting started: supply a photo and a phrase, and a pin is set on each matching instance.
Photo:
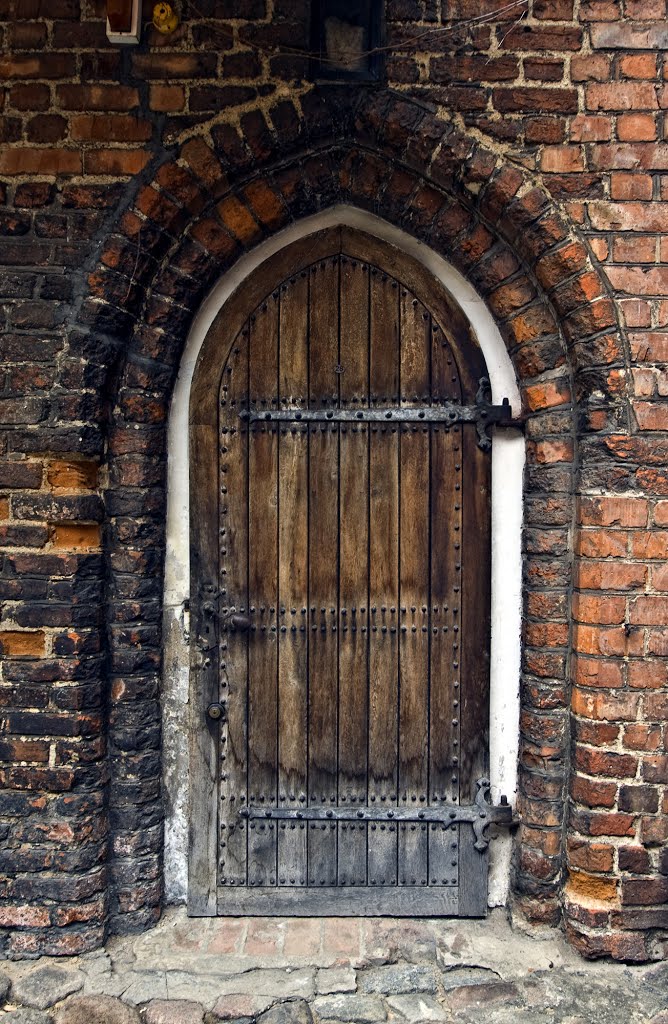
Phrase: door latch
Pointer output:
(235, 622)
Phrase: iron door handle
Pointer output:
(239, 623)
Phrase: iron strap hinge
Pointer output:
(481, 814)
(482, 413)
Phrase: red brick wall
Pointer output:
(132, 178)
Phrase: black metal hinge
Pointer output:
(480, 814)
(482, 413)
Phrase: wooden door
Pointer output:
(340, 571)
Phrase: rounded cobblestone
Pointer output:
(439, 972)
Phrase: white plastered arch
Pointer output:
(508, 454)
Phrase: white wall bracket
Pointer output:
(124, 22)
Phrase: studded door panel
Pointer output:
(351, 550)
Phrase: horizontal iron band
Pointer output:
(447, 814)
(445, 413)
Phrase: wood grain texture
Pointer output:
(356, 550)
(323, 532)
(233, 437)
(293, 504)
(384, 591)
(263, 518)
(367, 901)
(353, 568)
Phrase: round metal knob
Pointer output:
(215, 711)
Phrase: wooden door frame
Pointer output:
(203, 443)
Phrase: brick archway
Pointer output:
(215, 200)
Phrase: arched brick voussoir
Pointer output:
(256, 208)
(217, 199)
(391, 155)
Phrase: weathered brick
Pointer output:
(644, 891)
(584, 132)
(27, 160)
(97, 97)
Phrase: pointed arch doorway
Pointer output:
(340, 573)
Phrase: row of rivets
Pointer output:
(435, 630)
(334, 428)
(345, 826)
(271, 610)
(301, 403)
(392, 630)
(302, 431)
(228, 436)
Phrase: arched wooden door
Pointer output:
(340, 588)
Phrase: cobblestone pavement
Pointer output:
(306, 971)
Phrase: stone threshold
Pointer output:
(344, 971)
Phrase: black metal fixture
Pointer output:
(346, 37)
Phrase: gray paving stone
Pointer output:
(146, 985)
(657, 977)
(363, 1008)
(575, 994)
(511, 1015)
(98, 962)
(295, 1012)
(299, 983)
(24, 1016)
(194, 988)
(335, 979)
(46, 986)
(5, 985)
(236, 1007)
(458, 976)
(108, 983)
(173, 1011)
(417, 1007)
(96, 1010)
(479, 996)
(396, 979)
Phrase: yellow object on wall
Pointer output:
(165, 18)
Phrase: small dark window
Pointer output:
(345, 37)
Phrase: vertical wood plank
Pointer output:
(383, 578)
(445, 611)
(234, 581)
(263, 592)
(413, 855)
(323, 617)
(324, 333)
(414, 573)
(294, 315)
(293, 581)
(323, 568)
(353, 569)
(473, 869)
(354, 343)
(204, 802)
